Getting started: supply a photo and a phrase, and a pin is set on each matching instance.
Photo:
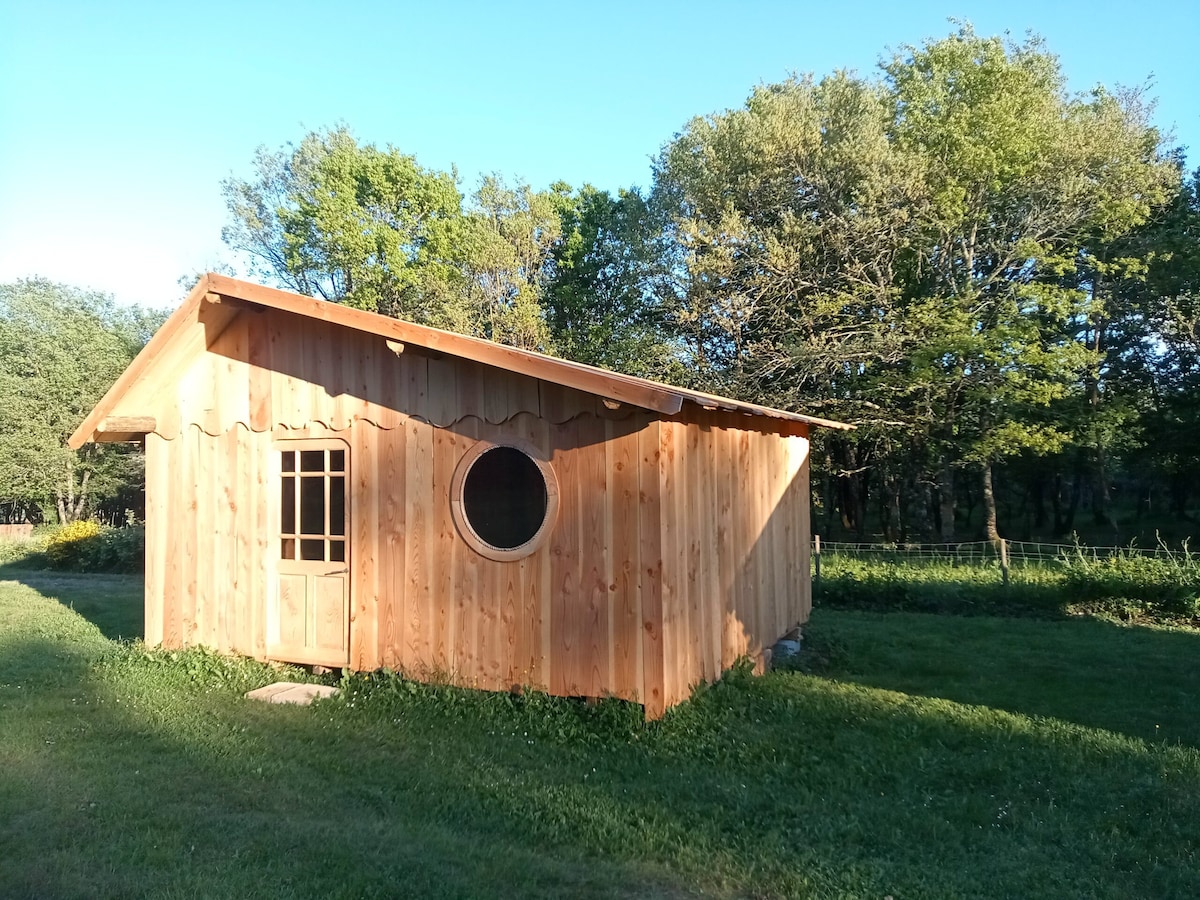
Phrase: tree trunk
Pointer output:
(69, 502)
(862, 476)
(65, 495)
(1179, 495)
(914, 521)
(1100, 492)
(830, 496)
(1038, 491)
(891, 508)
(82, 496)
(852, 488)
(1064, 520)
(847, 489)
(1101, 496)
(990, 531)
(946, 504)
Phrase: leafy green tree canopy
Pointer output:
(893, 249)
(373, 229)
(60, 348)
(346, 222)
(610, 290)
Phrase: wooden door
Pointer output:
(308, 612)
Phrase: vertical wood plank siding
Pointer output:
(735, 508)
(681, 542)
(205, 548)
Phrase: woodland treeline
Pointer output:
(994, 278)
(60, 349)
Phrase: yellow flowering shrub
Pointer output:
(64, 546)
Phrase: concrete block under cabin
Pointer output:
(332, 487)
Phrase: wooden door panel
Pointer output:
(290, 618)
(329, 614)
(308, 609)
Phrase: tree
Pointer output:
(1163, 362)
(507, 237)
(894, 250)
(59, 350)
(1171, 289)
(373, 229)
(348, 222)
(1022, 179)
(609, 286)
(790, 216)
(792, 221)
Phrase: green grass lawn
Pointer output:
(927, 756)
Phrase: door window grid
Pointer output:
(313, 505)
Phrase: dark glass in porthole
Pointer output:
(337, 551)
(312, 460)
(312, 549)
(337, 460)
(288, 549)
(289, 461)
(504, 498)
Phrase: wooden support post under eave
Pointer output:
(124, 428)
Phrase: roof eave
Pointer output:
(89, 429)
(643, 393)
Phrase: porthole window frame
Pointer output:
(463, 524)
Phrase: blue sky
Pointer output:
(118, 120)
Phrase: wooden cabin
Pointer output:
(334, 487)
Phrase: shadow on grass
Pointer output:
(1134, 680)
(113, 603)
(132, 773)
(136, 773)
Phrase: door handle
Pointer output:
(339, 572)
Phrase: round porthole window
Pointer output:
(504, 499)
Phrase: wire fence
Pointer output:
(1004, 552)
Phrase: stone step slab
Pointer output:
(291, 692)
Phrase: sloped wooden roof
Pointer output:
(217, 299)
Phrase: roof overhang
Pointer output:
(216, 299)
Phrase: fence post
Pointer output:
(1004, 560)
(816, 557)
